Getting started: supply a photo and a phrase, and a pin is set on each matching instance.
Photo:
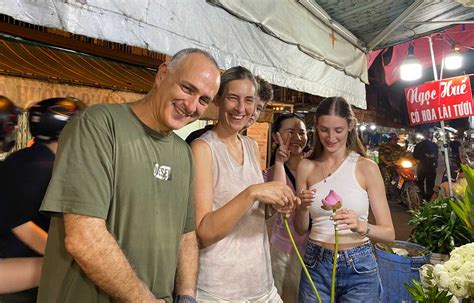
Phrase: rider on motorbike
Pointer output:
(389, 153)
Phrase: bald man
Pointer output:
(121, 195)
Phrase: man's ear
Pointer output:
(162, 72)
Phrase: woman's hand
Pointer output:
(347, 219)
(307, 197)
(286, 211)
(283, 151)
(276, 193)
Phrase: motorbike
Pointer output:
(404, 188)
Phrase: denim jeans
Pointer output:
(357, 275)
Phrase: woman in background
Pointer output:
(289, 132)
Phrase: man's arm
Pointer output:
(188, 263)
(100, 257)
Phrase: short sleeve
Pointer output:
(190, 224)
(82, 181)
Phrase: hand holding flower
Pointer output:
(348, 219)
(287, 210)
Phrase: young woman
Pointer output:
(338, 163)
(289, 132)
(230, 220)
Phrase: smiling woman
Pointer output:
(289, 132)
(339, 163)
(229, 198)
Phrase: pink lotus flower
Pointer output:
(332, 201)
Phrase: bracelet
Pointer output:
(366, 231)
(368, 227)
(185, 299)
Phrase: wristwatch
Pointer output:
(184, 299)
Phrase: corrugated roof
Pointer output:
(31, 60)
(366, 19)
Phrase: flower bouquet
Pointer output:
(440, 282)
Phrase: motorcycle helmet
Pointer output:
(47, 118)
(8, 120)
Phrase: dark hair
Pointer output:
(340, 107)
(277, 124)
(189, 51)
(284, 116)
(236, 73)
(265, 89)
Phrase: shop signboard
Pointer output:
(441, 100)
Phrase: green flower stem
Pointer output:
(334, 263)
(301, 259)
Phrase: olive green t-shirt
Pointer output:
(109, 165)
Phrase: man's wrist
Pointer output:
(185, 299)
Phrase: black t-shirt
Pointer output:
(427, 152)
(24, 178)
(454, 146)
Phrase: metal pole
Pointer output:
(445, 145)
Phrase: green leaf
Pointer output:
(460, 210)
(438, 227)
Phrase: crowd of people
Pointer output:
(132, 213)
(427, 155)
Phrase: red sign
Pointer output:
(440, 100)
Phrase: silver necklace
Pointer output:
(331, 171)
(323, 173)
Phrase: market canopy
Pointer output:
(167, 26)
(313, 46)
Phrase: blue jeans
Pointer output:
(357, 275)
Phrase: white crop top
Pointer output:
(343, 181)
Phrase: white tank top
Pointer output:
(237, 267)
(343, 181)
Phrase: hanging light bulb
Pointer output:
(453, 60)
(411, 67)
